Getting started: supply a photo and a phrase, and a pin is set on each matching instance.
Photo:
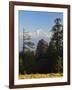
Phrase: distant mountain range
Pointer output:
(35, 36)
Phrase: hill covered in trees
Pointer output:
(47, 58)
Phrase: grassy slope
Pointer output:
(30, 76)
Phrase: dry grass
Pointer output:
(49, 75)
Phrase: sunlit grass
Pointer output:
(49, 75)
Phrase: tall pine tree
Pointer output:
(56, 46)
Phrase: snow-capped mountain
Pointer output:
(35, 36)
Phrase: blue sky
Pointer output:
(34, 21)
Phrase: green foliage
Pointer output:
(56, 46)
(21, 66)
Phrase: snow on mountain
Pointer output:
(35, 36)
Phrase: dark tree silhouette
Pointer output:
(41, 57)
(56, 46)
(25, 56)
